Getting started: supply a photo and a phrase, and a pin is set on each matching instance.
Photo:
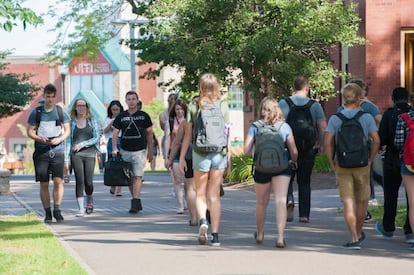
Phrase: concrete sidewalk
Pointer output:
(158, 241)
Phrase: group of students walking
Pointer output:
(198, 156)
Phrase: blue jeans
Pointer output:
(303, 178)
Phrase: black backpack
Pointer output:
(351, 144)
(270, 154)
(301, 121)
(208, 130)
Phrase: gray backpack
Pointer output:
(270, 154)
(208, 131)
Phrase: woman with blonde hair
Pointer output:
(270, 114)
(81, 147)
(208, 167)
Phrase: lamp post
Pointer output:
(132, 24)
(63, 70)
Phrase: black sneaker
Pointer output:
(352, 245)
(89, 205)
(58, 215)
(368, 217)
(48, 216)
(135, 206)
(362, 237)
(215, 241)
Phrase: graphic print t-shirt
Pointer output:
(49, 126)
(133, 128)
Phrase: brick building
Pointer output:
(386, 61)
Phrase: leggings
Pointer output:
(84, 169)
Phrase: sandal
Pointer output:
(258, 241)
(281, 245)
(190, 223)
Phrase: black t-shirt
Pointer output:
(388, 123)
(133, 127)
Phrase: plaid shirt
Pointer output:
(401, 131)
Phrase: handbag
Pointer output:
(117, 172)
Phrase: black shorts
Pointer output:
(264, 178)
(190, 172)
(45, 165)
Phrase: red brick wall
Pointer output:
(379, 61)
(147, 87)
(383, 56)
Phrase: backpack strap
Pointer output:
(291, 104)
(344, 118)
(60, 114)
(289, 101)
(407, 119)
(39, 115)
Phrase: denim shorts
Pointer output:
(404, 171)
(205, 163)
(137, 158)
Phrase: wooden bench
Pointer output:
(15, 166)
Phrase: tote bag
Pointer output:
(117, 172)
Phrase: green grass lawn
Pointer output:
(28, 247)
(378, 212)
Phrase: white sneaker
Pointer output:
(373, 202)
(202, 233)
(80, 213)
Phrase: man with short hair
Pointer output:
(136, 144)
(392, 167)
(353, 183)
(306, 159)
(49, 127)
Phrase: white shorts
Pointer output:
(137, 158)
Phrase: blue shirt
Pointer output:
(367, 122)
(315, 110)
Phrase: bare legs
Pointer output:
(354, 214)
(58, 190)
(208, 191)
(280, 186)
(190, 196)
(178, 180)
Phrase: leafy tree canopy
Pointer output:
(260, 44)
(15, 90)
(12, 12)
(15, 93)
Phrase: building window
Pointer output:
(100, 84)
(18, 150)
(235, 97)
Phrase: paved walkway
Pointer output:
(158, 241)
